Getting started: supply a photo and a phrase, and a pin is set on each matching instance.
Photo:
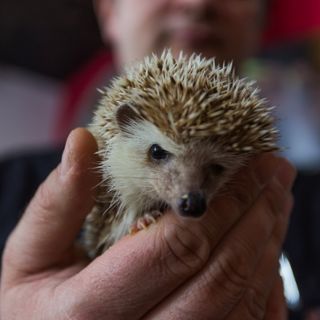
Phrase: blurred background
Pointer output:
(52, 60)
(43, 48)
(51, 51)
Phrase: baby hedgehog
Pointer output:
(170, 133)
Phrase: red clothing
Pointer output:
(292, 20)
(81, 93)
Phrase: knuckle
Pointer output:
(231, 274)
(8, 256)
(76, 308)
(278, 235)
(243, 198)
(44, 198)
(77, 315)
(43, 204)
(72, 314)
(187, 313)
(11, 255)
(254, 304)
(188, 251)
(245, 190)
(275, 198)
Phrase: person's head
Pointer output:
(226, 29)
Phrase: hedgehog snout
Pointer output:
(192, 204)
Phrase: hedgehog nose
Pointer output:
(192, 204)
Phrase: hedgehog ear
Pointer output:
(126, 115)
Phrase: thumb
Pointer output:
(50, 224)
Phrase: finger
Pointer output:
(276, 305)
(238, 196)
(253, 305)
(222, 283)
(55, 215)
(140, 269)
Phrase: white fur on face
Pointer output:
(140, 183)
(127, 162)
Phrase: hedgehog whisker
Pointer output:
(112, 205)
(99, 184)
(115, 202)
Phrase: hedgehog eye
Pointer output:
(216, 169)
(157, 153)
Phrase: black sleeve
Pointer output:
(303, 239)
(19, 178)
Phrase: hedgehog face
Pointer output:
(162, 172)
(188, 180)
(174, 130)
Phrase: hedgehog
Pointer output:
(170, 133)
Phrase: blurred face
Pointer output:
(226, 29)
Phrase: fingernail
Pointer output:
(66, 161)
(286, 174)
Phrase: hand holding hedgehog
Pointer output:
(170, 133)
(223, 266)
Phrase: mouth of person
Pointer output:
(196, 38)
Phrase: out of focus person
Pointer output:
(41, 247)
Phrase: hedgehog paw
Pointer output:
(143, 222)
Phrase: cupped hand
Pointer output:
(223, 266)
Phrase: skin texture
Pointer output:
(227, 29)
(223, 266)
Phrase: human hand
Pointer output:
(312, 314)
(223, 266)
